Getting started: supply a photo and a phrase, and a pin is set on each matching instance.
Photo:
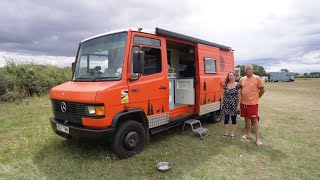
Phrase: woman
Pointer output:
(231, 95)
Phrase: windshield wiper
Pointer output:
(105, 78)
(87, 77)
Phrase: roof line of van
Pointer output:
(150, 31)
(171, 34)
(166, 33)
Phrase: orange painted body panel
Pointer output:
(181, 111)
(107, 93)
(209, 87)
(149, 97)
(77, 91)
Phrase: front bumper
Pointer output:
(80, 132)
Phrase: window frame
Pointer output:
(207, 71)
(136, 75)
(141, 46)
(145, 44)
(75, 71)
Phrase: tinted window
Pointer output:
(152, 60)
(146, 41)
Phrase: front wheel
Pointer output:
(129, 139)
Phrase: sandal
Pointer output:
(259, 144)
(231, 136)
(225, 136)
(245, 137)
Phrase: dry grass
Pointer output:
(290, 133)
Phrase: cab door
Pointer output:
(150, 90)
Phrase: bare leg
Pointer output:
(233, 129)
(256, 129)
(226, 128)
(248, 124)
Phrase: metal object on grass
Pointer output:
(163, 166)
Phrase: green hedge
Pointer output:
(18, 80)
(308, 76)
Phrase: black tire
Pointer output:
(129, 139)
(216, 116)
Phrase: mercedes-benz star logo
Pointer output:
(63, 107)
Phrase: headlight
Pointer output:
(91, 110)
(95, 110)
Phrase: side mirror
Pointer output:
(73, 66)
(138, 62)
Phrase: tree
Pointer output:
(284, 70)
(242, 71)
(258, 70)
(315, 73)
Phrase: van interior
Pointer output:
(181, 58)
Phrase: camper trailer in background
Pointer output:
(281, 76)
(237, 72)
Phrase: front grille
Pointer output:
(74, 111)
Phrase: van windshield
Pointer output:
(101, 59)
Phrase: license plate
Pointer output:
(63, 128)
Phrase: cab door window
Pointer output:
(152, 55)
(152, 60)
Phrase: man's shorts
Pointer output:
(249, 111)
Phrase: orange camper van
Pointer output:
(121, 89)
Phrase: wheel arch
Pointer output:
(135, 114)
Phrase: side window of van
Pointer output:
(152, 54)
(152, 60)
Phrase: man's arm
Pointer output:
(260, 86)
(261, 92)
(239, 95)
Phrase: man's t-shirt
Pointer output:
(250, 88)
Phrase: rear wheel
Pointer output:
(216, 116)
(129, 139)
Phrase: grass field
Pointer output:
(290, 131)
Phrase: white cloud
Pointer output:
(294, 67)
(309, 62)
(61, 61)
(287, 31)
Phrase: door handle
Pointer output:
(162, 87)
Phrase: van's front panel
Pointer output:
(98, 83)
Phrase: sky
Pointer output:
(272, 33)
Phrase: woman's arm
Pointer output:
(222, 96)
(239, 95)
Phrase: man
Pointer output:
(252, 88)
